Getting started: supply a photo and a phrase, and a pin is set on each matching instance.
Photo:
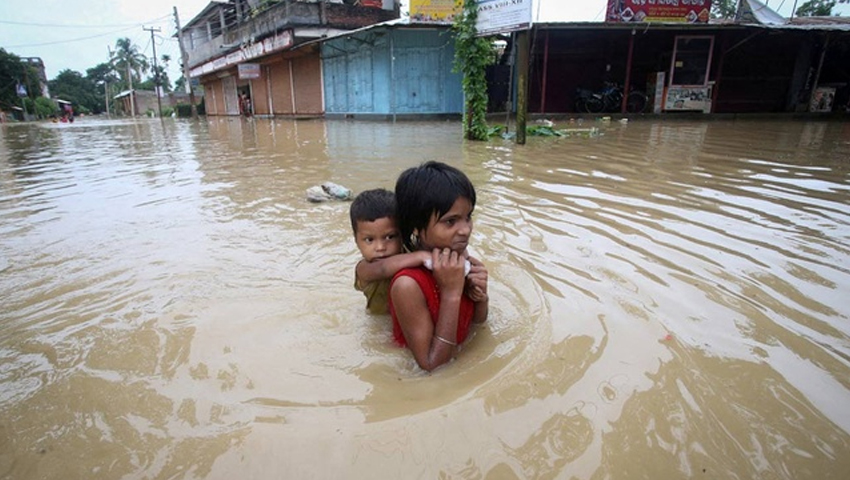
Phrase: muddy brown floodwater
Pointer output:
(668, 300)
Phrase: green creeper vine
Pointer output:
(472, 56)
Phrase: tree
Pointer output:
(129, 61)
(105, 78)
(180, 84)
(159, 76)
(77, 89)
(14, 72)
(818, 8)
(164, 81)
(41, 107)
(724, 8)
(472, 56)
(102, 73)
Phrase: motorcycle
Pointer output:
(609, 99)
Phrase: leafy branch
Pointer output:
(472, 56)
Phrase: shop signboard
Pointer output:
(688, 99)
(494, 16)
(503, 16)
(279, 41)
(664, 11)
(822, 99)
(433, 11)
(249, 71)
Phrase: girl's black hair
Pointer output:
(371, 205)
(427, 190)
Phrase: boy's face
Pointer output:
(378, 239)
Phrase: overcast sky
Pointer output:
(76, 34)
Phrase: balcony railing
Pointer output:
(229, 29)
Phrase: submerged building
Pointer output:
(359, 59)
(246, 53)
(758, 62)
(37, 64)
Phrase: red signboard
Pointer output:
(690, 11)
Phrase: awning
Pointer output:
(123, 94)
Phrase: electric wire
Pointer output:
(60, 25)
(80, 39)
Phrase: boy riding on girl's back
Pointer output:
(373, 222)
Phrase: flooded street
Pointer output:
(666, 302)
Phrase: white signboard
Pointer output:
(269, 45)
(503, 16)
(248, 71)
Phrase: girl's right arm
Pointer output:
(432, 344)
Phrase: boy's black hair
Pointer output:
(370, 205)
(427, 190)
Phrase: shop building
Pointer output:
(392, 70)
(359, 60)
(245, 52)
(759, 62)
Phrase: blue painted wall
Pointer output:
(360, 78)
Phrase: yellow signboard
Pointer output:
(434, 11)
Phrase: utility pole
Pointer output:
(26, 89)
(522, 85)
(23, 97)
(155, 69)
(106, 96)
(106, 84)
(184, 59)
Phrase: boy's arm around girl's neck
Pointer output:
(384, 268)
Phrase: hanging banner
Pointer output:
(503, 16)
(433, 11)
(644, 11)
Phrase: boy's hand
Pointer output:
(476, 281)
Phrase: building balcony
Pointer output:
(225, 27)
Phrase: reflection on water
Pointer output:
(665, 303)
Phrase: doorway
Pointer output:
(246, 105)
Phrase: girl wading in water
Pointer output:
(432, 309)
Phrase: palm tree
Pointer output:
(127, 58)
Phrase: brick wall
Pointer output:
(347, 16)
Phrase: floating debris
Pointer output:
(545, 131)
(328, 191)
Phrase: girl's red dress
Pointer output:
(428, 284)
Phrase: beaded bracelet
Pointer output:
(444, 340)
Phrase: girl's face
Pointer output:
(452, 230)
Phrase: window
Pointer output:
(691, 60)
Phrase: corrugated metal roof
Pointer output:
(761, 16)
(755, 12)
(210, 6)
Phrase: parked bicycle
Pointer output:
(609, 99)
